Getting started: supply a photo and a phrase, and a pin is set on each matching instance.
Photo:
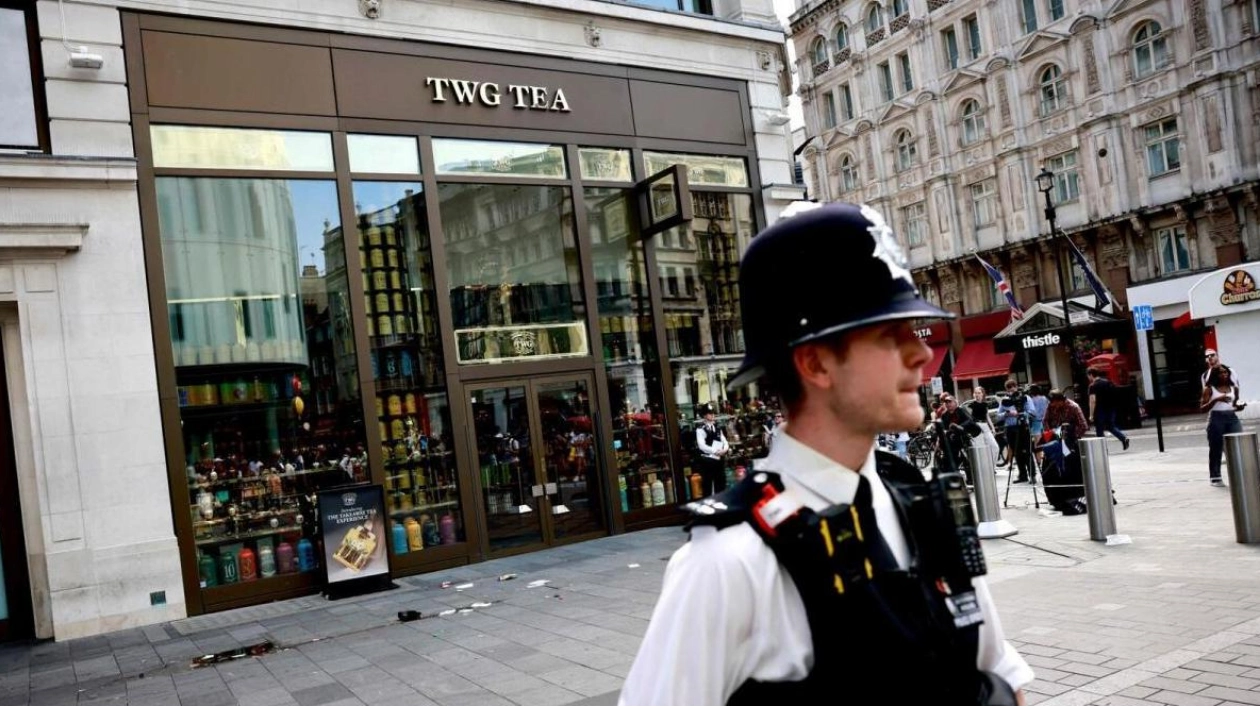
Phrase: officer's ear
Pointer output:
(809, 360)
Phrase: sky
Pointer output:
(784, 9)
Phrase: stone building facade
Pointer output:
(942, 113)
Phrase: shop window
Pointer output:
(600, 164)
(1067, 179)
(632, 363)
(1150, 49)
(184, 146)
(23, 122)
(702, 170)
(1053, 90)
(507, 159)
(972, 122)
(504, 310)
(1163, 147)
(1174, 250)
(971, 27)
(383, 154)
(984, 203)
(700, 7)
(412, 409)
(269, 402)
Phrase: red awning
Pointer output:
(979, 360)
(931, 368)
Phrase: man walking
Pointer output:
(1102, 406)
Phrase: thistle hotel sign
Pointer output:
(1033, 341)
(491, 94)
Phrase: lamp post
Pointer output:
(1045, 184)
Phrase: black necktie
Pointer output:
(877, 549)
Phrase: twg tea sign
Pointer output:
(491, 94)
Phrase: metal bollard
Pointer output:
(988, 512)
(1098, 500)
(1244, 484)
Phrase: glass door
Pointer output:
(537, 455)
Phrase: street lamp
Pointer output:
(1045, 184)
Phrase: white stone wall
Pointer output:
(1212, 87)
(73, 293)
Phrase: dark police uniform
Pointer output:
(746, 615)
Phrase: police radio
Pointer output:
(955, 519)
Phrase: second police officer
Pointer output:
(832, 573)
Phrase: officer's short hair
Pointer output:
(781, 369)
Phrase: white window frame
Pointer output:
(846, 101)
(907, 151)
(829, 110)
(975, 43)
(973, 126)
(1163, 147)
(1150, 41)
(1067, 176)
(900, 7)
(983, 202)
(1174, 236)
(874, 18)
(841, 33)
(906, 71)
(848, 174)
(1028, 16)
(915, 218)
(818, 52)
(949, 45)
(885, 79)
(1055, 10)
(1052, 91)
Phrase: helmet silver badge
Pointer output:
(886, 247)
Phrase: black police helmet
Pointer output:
(820, 272)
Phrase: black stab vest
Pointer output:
(887, 639)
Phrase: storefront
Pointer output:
(1229, 301)
(1173, 360)
(425, 267)
(978, 362)
(1041, 338)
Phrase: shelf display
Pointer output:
(264, 368)
(412, 411)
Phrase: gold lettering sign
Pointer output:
(490, 94)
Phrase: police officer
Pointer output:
(808, 582)
(713, 447)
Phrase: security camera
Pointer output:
(81, 58)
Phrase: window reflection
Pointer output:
(516, 290)
(265, 366)
(412, 408)
(627, 336)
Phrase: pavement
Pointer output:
(1172, 617)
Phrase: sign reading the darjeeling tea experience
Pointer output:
(352, 520)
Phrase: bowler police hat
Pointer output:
(821, 272)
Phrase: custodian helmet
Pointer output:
(820, 272)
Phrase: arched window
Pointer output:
(907, 153)
(972, 121)
(848, 174)
(1054, 96)
(900, 7)
(874, 18)
(818, 52)
(842, 38)
(1150, 49)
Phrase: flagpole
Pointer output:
(1045, 183)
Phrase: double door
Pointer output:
(537, 450)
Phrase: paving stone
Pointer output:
(1179, 674)
(154, 698)
(1171, 697)
(582, 680)
(1137, 692)
(322, 694)
(1211, 666)
(1247, 697)
(1163, 683)
(218, 697)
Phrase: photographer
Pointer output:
(1016, 412)
(960, 428)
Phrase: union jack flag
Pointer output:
(1004, 287)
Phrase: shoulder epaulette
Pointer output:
(895, 469)
(732, 506)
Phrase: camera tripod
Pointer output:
(1027, 450)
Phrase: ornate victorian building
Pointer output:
(942, 113)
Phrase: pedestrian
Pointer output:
(1015, 411)
(815, 569)
(1102, 406)
(711, 442)
(1220, 400)
(978, 408)
(771, 428)
(1214, 361)
(1039, 405)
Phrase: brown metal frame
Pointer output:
(33, 44)
(458, 378)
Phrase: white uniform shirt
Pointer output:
(729, 613)
(719, 446)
